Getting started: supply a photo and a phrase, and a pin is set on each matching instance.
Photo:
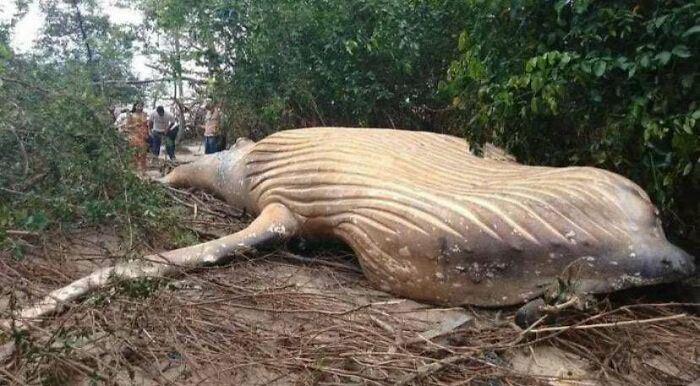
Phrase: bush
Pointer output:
(63, 163)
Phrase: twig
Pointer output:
(193, 206)
(32, 180)
(559, 307)
(13, 232)
(292, 256)
(128, 220)
(605, 325)
(22, 149)
(288, 311)
(11, 377)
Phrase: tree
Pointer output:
(63, 162)
(77, 30)
(283, 63)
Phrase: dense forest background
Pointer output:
(608, 84)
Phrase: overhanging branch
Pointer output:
(148, 81)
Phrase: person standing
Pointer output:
(213, 140)
(159, 123)
(137, 131)
(170, 141)
(120, 122)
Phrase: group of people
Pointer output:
(147, 132)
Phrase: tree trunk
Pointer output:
(179, 88)
(84, 36)
(180, 119)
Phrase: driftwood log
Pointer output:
(427, 219)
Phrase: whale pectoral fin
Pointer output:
(275, 223)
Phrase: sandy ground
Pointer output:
(187, 151)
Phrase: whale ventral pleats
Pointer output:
(425, 216)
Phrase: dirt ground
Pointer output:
(302, 316)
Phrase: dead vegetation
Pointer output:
(282, 318)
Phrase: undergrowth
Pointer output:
(63, 164)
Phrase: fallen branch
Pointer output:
(11, 377)
(13, 232)
(605, 325)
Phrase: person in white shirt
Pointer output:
(159, 124)
(120, 122)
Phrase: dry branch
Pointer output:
(607, 325)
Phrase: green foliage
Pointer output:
(105, 49)
(612, 85)
(138, 289)
(314, 62)
(62, 162)
(184, 237)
